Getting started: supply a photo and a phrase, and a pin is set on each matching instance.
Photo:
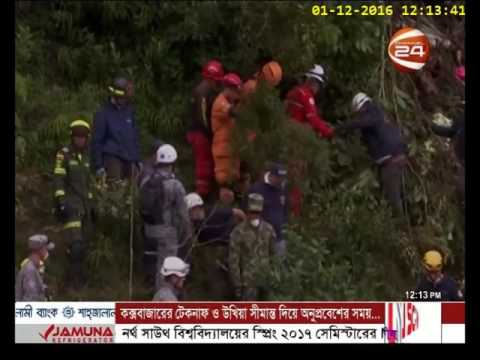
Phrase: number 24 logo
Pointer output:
(402, 51)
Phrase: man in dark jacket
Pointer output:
(275, 207)
(212, 228)
(385, 145)
(199, 134)
(115, 141)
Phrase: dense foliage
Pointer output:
(346, 246)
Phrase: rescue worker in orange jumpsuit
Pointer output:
(200, 134)
(223, 113)
(300, 102)
(271, 73)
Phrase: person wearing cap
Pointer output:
(163, 209)
(29, 285)
(435, 280)
(200, 134)
(275, 209)
(385, 145)
(174, 272)
(115, 140)
(227, 166)
(250, 250)
(149, 244)
(74, 199)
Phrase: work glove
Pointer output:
(101, 172)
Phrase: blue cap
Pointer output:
(278, 169)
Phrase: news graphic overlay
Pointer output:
(240, 322)
(409, 50)
(65, 322)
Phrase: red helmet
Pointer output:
(232, 79)
(213, 70)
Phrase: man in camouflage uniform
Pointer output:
(29, 285)
(250, 249)
(173, 231)
(73, 197)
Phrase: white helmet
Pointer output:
(317, 73)
(173, 265)
(192, 200)
(359, 100)
(166, 154)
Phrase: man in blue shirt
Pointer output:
(115, 141)
(275, 207)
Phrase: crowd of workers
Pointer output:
(240, 240)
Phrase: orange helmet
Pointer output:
(272, 73)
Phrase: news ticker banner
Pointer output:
(240, 322)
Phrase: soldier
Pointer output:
(74, 204)
(29, 284)
(163, 208)
(174, 271)
(250, 249)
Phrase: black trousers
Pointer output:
(116, 168)
(391, 175)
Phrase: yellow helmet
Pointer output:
(433, 261)
(80, 128)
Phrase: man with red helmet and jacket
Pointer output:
(300, 102)
(200, 134)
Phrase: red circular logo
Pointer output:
(409, 49)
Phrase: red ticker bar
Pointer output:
(250, 313)
(453, 313)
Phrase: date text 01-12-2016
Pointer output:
(387, 10)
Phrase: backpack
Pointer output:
(152, 198)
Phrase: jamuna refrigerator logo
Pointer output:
(77, 334)
(402, 320)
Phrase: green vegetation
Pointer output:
(346, 246)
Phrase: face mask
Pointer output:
(255, 222)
